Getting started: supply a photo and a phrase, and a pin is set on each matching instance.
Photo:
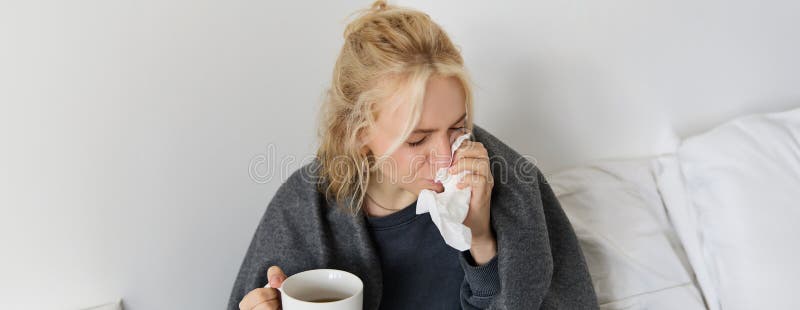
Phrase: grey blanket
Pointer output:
(541, 265)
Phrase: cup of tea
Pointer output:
(322, 289)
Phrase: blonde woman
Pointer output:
(400, 96)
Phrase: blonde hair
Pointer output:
(385, 42)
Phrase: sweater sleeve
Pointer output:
(481, 283)
(271, 244)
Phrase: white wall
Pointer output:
(566, 81)
(127, 127)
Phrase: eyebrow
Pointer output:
(432, 130)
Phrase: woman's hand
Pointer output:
(472, 156)
(267, 298)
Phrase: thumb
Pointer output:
(275, 276)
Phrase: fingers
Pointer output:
(261, 299)
(477, 166)
(268, 305)
(474, 180)
(471, 156)
(275, 276)
(471, 149)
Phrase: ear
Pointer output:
(362, 138)
(365, 150)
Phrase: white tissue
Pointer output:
(449, 208)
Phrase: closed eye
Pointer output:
(420, 141)
(417, 143)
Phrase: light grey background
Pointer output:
(127, 128)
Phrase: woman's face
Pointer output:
(413, 165)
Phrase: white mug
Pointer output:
(309, 289)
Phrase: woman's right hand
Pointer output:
(266, 298)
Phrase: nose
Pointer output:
(440, 154)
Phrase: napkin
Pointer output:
(449, 208)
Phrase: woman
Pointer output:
(400, 96)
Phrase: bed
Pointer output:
(712, 225)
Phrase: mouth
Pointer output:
(430, 181)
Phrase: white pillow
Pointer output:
(634, 256)
(740, 216)
(670, 184)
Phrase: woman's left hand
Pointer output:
(472, 156)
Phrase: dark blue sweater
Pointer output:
(420, 271)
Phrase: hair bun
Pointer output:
(379, 5)
(364, 15)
